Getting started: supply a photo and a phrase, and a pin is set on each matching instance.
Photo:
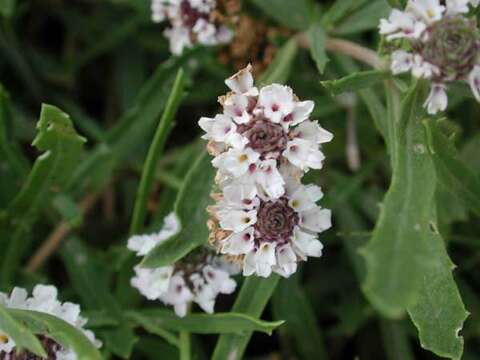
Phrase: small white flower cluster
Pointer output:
(199, 277)
(440, 43)
(44, 299)
(263, 144)
(190, 22)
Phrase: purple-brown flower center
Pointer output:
(276, 221)
(266, 138)
(50, 346)
(190, 15)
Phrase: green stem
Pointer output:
(154, 153)
(185, 345)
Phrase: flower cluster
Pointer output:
(440, 43)
(263, 144)
(199, 277)
(191, 21)
(44, 299)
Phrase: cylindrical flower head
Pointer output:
(199, 277)
(190, 22)
(268, 235)
(43, 299)
(440, 42)
(258, 131)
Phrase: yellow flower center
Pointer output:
(242, 158)
(3, 339)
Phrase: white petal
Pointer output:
(301, 112)
(236, 106)
(474, 81)
(152, 283)
(236, 161)
(179, 37)
(276, 101)
(242, 82)
(312, 131)
(270, 179)
(457, 7)
(437, 100)
(219, 280)
(264, 259)
(316, 219)
(402, 61)
(401, 24)
(239, 243)
(306, 244)
(237, 220)
(286, 260)
(304, 154)
(305, 197)
(427, 10)
(423, 69)
(249, 266)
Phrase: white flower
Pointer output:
(276, 101)
(242, 82)
(304, 154)
(402, 61)
(474, 81)
(427, 10)
(143, 244)
(401, 25)
(236, 107)
(236, 162)
(437, 100)
(44, 299)
(179, 38)
(152, 283)
(423, 69)
(178, 295)
(284, 231)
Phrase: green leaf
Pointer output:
(219, 323)
(251, 300)
(23, 337)
(59, 330)
(293, 14)
(397, 254)
(291, 304)
(318, 37)
(439, 312)
(191, 210)
(7, 7)
(62, 147)
(68, 209)
(156, 149)
(452, 172)
(355, 82)
(339, 10)
(91, 281)
(279, 70)
(367, 18)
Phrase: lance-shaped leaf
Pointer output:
(62, 332)
(318, 38)
(355, 82)
(220, 323)
(279, 70)
(190, 208)
(452, 172)
(293, 14)
(291, 304)
(251, 300)
(61, 147)
(439, 312)
(23, 337)
(397, 254)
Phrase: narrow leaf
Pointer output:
(251, 300)
(355, 82)
(220, 323)
(154, 153)
(293, 14)
(291, 304)
(279, 70)
(190, 208)
(317, 37)
(62, 147)
(23, 337)
(59, 330)
(7, 7)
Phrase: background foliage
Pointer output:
(72, 187)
